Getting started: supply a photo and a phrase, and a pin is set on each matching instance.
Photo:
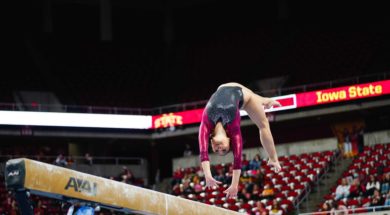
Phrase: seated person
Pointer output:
(244, 195)
(268, 192)
(376, 199)
(325, 207)
(342, 190)
(372, 184)
(276, 209)
(356, 189)
(385, 186)
(255, 192)
(255, 163)
(260, 209)
(220, 176)
(387, 201)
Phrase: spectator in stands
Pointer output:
(244, 163)
(126, 176)
(258, 177)
(356, 189)
(130, 177)
(40, 209)
(385, 186)
(387, 201)
(9, 204)
(325, 207)
(268, 192)
(229, 174)
(88, 159)
(373, 184)
(260, 209)
(376, 199)
(276, 209)
(196, 179)
(360, 141)
(255, 192)
(245, 177)
(176, 189)
(187, 150)
(82, 209)
(244, 195)
(333, 207)
(354, 141)
(61, 161)
(125, 179)
(255, 163)
(342, 191)
(198, 188)
(187, 189)
(70, 160)
(354, 174)
(177, 176)
(343, 210)
(220, 176)
(186, 178)
(347, 143)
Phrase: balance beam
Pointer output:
(25, 175)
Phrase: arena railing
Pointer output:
(364, 210)
(81, 159)
(317, 180)
(188, 105)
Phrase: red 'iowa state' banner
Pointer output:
(292, 101)
(340, 94)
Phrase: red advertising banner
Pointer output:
(291, 101)
(194, 116)
(341, 94)
(177, 118)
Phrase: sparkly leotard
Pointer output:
(223, 106)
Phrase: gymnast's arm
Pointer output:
(236, 143)
(255, 110)
(204, 133)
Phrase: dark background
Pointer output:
(168, 52)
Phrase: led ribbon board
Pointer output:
(341, 94)
(75, 120)
(292, 101)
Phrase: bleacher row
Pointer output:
(374, 161)
(299, 173)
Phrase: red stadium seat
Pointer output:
(365, 202)
(246, 206)
(352, 203)
(219, 202)
(231, 201)
(233, 207)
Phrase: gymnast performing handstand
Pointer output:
(221, 126)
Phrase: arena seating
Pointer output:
(373, 161)
(299, 173)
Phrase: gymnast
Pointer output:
(220, 125)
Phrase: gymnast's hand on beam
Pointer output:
(275, 163)
(231, 192)
(211, 182)
(269, 103)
